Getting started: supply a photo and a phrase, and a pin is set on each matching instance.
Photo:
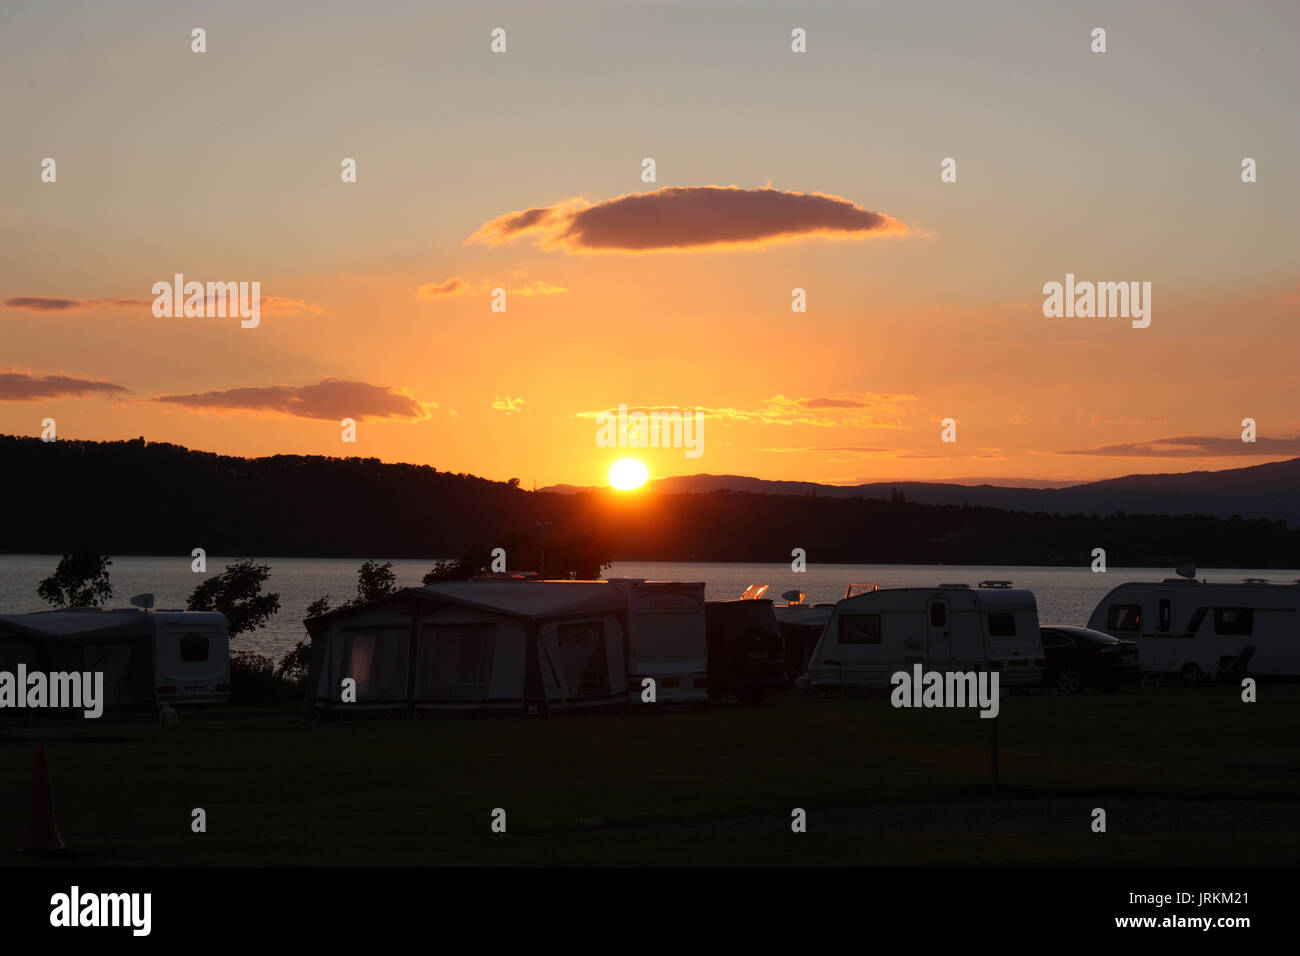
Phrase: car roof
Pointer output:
(1086, 633)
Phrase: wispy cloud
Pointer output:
(330, 400)
(508, 405)
(852, 409)
(1193, 446)
(39, 303)
(688, 218)
(18, 386)
(442, 290)
(269, 304)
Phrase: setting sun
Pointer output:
(628, 473)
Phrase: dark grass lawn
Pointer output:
(1186, 777)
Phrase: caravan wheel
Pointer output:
(1069, 681)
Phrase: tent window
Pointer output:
(1002, 625)
(860, 629)
(582, 662)
(11, 655)
(1234, 620)
(114, 662)
(194, 647)
(455, 661)
(375, 657)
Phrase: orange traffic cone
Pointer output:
(43, 834)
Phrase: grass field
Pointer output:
(1187, 776)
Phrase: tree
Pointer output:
(374, 580)
(296, 663)
(237, 593)
(582, 556)
(80, 580)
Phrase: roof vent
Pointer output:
(954, 585)
(995, 584)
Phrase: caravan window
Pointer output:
(1233, 620)
(860, 629)
(938, 614)
(194, 647)
(1002, 625)
(1124, 617)
(455, 660)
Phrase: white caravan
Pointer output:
(146, 657)
(667, 640)
(873, 635)
(1196, 628)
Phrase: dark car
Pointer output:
(1079, 657)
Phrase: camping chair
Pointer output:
(1235, 669)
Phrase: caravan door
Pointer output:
(938, 631)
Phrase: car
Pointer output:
(1079, 657)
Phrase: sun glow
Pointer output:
(628, 473)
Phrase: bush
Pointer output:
(253, 680)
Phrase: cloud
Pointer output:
(279, 305)
(680, 218)
(329, 400)
(16, 386)
(852, 409)
(508, 405)
(1193, 447)
(269, 304)
(442, 290)
(37, 303)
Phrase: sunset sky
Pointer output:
(924, 299)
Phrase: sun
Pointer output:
(628, 473)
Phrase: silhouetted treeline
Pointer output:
(134, 497)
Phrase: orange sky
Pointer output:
(924, 299)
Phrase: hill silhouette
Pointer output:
(137, 497)
(1270, 490)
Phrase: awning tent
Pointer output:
(510, 647)
(118, 644)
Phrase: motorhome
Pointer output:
(666, 640)
(952, 627)
(1197, 629)
(146, 657)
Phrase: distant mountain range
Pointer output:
(1259, 491)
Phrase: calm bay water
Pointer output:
(1065, 595)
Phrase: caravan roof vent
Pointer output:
(754, 592)
(1254, 580)
(954, 585)
(995, 584)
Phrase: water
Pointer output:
(1065, 595)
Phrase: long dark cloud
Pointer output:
(25, 387)
(330, 400)
(1193, 446)
(688, 218)
(39, 303)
